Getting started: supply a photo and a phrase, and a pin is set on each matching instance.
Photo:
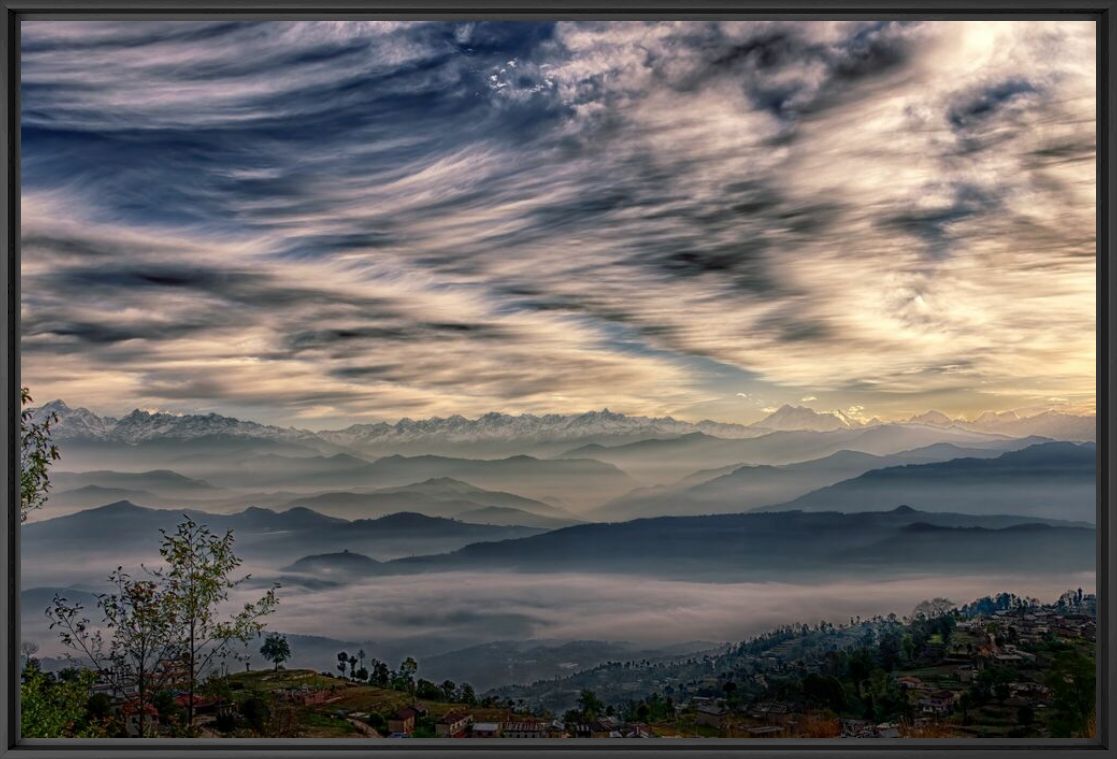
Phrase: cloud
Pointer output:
(429, 218)
(807, 399)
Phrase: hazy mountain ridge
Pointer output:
(1053, 480)
(124, 533)
(776, 545)
(748, 487)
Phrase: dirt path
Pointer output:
(363, 729)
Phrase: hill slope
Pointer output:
(1053, 480)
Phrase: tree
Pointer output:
(589, 705)
(467, 696)
(276, 649)
(342, 662)
(449, 688)
(197, 581)
(381, 675)
(352, 666)
(1072, 680)
(405, 677)
(36, 454)
(54, 708)
(936, 607)
(427, 690)
(27, 651)
(139, 616)
(255, 712)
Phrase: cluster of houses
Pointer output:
(1009, 639)
(461, 724)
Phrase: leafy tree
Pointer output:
(824, 691)
(449, 688)
(255, 712)
(197, 581)
(467, 695)
(589, 705)
(381, 675)
(169, 710)
(427, 690)
(405, 677)
(276, 649)
(140, 616)
(36, 454)
(342, 662)
(936, 607)
(1072, 680)
(54, 708)
(352, 666)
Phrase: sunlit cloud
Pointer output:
(327, 221)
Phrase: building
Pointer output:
(485, 730)
(453, 724)
(765, 731)
(939, 702)
(710, 715)
(596, 729)
(532, 729)
(402, 722)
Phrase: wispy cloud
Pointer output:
(382, 218)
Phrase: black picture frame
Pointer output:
(1103, 12)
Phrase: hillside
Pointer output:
(776, 545)
(64, 548)
(1051, 480)
(748, 487)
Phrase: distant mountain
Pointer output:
(90, 496)
(524, 428)
(89, 543)
(667, 461)
(788, 417)
(749, 487)
(344, 563)
(448, 489)
(932, 417)
(578, 482)
(432, 435)
(779, 546)
(1050, 480)
(139, 426)
(507, 516)
(162, 481)
(1052, 424)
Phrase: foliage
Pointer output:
(276, 649)
(196, 581)
(256, 713)
(140, 619)
(53, 707)
(1072, 680)
(36, 454)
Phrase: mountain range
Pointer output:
(1054, 480)
(409, 435)
(63, 549)
(741, 488)
(777, 546)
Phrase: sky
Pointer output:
(324, 223)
